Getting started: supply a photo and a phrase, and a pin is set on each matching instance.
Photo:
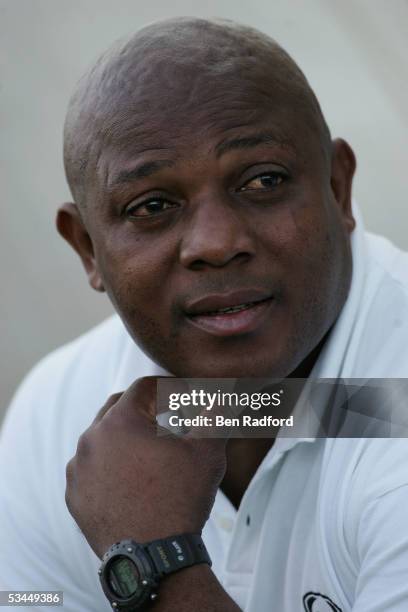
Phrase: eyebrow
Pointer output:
(244, 142)
(248, 142)
(140, 171)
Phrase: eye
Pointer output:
(149, 208)
(266, 180)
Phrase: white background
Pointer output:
(354, 53)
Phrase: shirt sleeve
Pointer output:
(382, 544)
(41, 548)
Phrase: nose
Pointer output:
(218, 233)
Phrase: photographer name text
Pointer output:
(220, 421)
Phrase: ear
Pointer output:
(71, 227)
(343, 166)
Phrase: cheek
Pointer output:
(135, 277)
(308, 246)
(139, 295)
(293, 237)
(320, 268)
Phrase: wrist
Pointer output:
(131, 572)
(194, 588)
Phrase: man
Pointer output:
(212, 206)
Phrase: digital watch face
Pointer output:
(124, 577)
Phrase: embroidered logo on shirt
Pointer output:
(316, 602)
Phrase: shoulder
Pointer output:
(391, 259)
(388, 264)
(64, 390)
(54, 404)
(95, 349)
(383, 334)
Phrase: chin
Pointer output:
(242, 366)
(266, 355)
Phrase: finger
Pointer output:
(141, 396)
(111, 401)
(140, 399)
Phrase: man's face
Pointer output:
(208, 200)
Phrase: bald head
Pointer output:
(163, 71)
(203, 167)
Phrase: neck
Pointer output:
(244, 455)
(306, 366)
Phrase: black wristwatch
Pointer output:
(130, 572)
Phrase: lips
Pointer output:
(230, 314)
(216, 303)
(232, 309)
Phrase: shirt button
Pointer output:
(226, 523)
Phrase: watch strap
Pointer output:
(177, 552)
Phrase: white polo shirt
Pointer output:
(323, 524)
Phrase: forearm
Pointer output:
(194, 588)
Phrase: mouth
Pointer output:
(229, 315)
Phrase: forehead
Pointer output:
(169, 99)
(204, 123)
(164, 113)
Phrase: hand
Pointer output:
(125, 481)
